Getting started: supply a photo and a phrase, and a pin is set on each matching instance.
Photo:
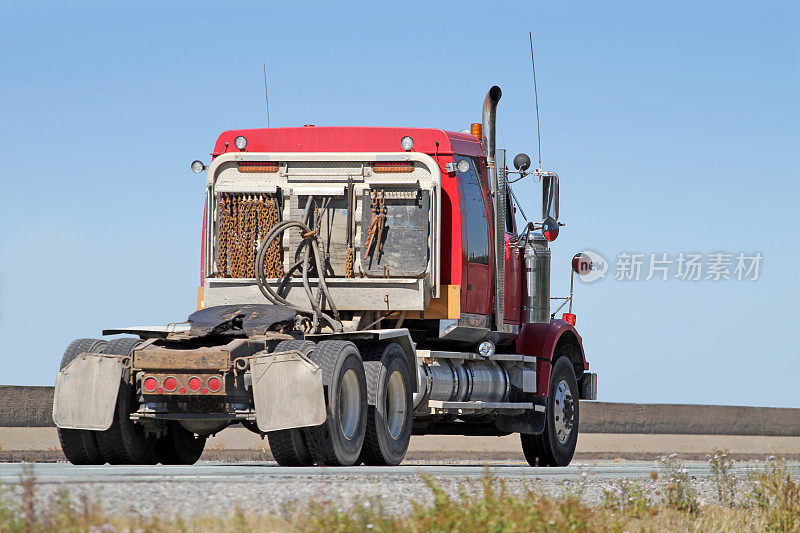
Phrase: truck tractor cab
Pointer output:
(358, 285)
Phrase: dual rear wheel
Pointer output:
(125, 442)
(369, 407)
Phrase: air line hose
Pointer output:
(311, 244)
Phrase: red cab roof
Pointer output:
(349, 139)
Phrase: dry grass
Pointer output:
(665, 502)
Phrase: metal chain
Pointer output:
(267, 208)
(222, 235)
(243, 222)
(378, 223)
(348, 264)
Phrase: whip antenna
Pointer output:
(536, 97)
(266, 94)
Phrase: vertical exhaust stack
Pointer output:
(498, 189)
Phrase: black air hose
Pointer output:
(311, 244)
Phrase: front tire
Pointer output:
(80, 445)
(390, 411)
(555, 446)
(288, 446)
(338, 441)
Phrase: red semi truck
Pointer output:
(358, 285)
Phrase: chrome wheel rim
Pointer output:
(396, 408)
(349, 399)
(564, 411)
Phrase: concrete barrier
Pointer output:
(22, 406)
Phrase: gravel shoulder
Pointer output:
(221, 489)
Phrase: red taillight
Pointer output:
(214, 384)
(257, 166)
(182, 390)
(150, 384)
(569, 318)
(194, 384)
(170, 384)
(393, 166)
(204, 391)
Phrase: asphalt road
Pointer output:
(12, 473)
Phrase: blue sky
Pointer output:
(674, 128)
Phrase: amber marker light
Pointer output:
(476, 129)
(393, 166)
(257, 166)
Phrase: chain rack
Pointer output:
(243, 220)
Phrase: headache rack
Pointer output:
(374, 212)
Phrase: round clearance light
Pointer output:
(407, 143)
(170, 384)
(150, 384)
(194, 384)
(198, 167)
(463, 165)
(214, 384)
(486, 349)
(240, 142)
(550, 229)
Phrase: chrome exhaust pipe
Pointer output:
(490, 122)
(498, 188)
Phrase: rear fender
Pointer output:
(540, 340)
(86, 391)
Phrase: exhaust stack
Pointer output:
(498, 189)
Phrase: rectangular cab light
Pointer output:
(393, 166)
(257, 166)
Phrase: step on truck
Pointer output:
(358, 286)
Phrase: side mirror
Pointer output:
(581, 264)
(522, 162)
(550, 196)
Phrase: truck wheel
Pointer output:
(179, 446)
(124, 442)
(338, 441)
(555, 446)
(390, 406)
(80, 445)
(288, 446)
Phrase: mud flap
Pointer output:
(530, 422)
(287, 391)
(86, 392)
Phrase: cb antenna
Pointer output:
(536, 97)
(266, 94)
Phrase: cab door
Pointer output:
(476, 279)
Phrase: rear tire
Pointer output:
(124, 442)
(555, 446)
(288, 446)
(338, 441)
(390, 410)
(80, 445)
(179, 446)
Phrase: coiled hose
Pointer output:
(311, 244)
